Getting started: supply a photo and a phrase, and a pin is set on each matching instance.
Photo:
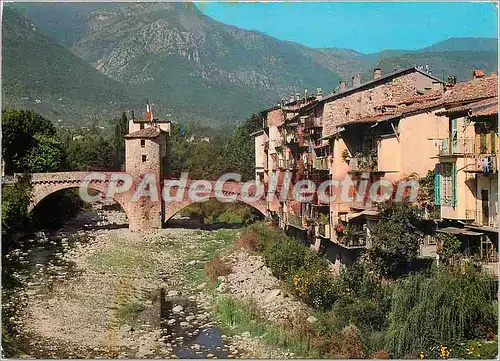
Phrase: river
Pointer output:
(93, 289)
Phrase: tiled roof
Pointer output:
(378, 80)
(477, 105)
(475, 89)
(149, 132)
(491, 110)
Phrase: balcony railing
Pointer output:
(286, 163)
(460, 146)
(324, 230)
(312, 122)
(321, 163)
(486, 164)
(295, 221)
(487, 217)
(363, 163)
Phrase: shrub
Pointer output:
(284, 258)
(319, 290)
(449, 246)
(249, 241)
(442, 309)
(216, 268)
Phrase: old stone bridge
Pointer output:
(143, 213)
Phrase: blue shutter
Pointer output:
(454, 184)
(437, 186)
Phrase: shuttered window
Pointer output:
(448, 188)
(437, 187)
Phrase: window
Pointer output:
(143, 143)
(448, 184)
(141, 125)
(144, 158)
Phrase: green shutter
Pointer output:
(454, 184)
(437, 186)
(454, 136)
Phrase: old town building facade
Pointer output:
(393, 127)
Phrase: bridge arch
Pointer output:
(172, 208)
(44, 190)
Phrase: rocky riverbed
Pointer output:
(93, 290)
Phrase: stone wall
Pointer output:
(363, 103)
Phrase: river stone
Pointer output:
(272, 295)
(172, 293)
(312, 319)
(210, 355)
(177, 309)
(171, 322)
(222, 287)
(184, 324)
(246, 334)
(190, 318)
(126, 328)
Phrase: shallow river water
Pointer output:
(47, 295)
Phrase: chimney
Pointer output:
(341, 86)
(356, 81)
(377, 73)
(477, 74)
(319, 94)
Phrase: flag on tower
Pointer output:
(149, 114)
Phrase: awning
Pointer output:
(455, 230)
(366, 212)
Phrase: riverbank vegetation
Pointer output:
(439, 312)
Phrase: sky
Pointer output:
(365, 27)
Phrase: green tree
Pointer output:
(15, 201)
(446, 308)
(118, 142)
(19, 128)
(47, 155)
(449, 247)
(238, 154)
(90, 153)
(396, 239)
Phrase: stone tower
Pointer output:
(145, 161)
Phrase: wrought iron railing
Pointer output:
(324, 230)
(320, 163)
(294, 220)
(286, 163)
(478, 216)
(460, 146)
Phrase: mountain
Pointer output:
(203, 71)
(464, 44)
(42, 75)
(189, 64)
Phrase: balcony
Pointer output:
(312, 122)
(460, 146)
(487, 217)
(364, 162)
(286, 164)
(321, 163)
(486, 164)
(295, 221)
(324, 230)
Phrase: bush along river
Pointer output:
(93, 289)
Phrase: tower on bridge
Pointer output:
(146, 154)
